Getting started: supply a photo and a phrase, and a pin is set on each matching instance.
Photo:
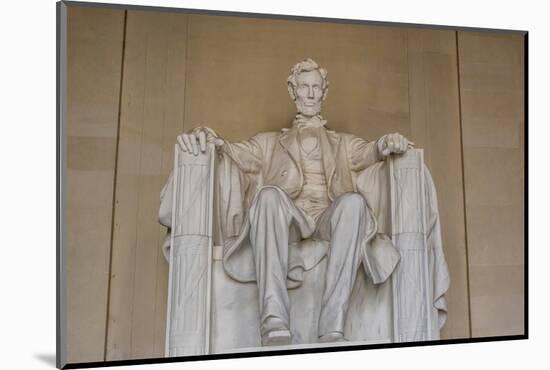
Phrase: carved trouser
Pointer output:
(344, 224)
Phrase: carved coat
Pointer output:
(273, 158)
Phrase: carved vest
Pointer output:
(313, 199)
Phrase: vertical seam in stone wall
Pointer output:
(138, 196)
(105, 343)
(159, 246)
(463, 187)
(60, 191)
(186, 70)
(409, 83)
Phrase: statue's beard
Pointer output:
(308, 110)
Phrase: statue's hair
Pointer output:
(306, 65)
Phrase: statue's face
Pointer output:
(309, 93)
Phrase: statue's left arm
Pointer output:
(362, 153)
(365, 153)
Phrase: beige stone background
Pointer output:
(137, 79)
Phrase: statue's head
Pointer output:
(308, 86)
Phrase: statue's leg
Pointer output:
(344, 223)
(269, 233)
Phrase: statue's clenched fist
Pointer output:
(393, 143)
(195, 141)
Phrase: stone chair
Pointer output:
(208, 312)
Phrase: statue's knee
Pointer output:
(269, 196)
(352, 202)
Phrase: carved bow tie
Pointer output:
(304, 122)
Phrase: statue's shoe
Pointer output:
(277, 338)
(275, 333)
(333, 336)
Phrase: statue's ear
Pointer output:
(325, 93)
(291, 91)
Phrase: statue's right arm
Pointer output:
(247, 154)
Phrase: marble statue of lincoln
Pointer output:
(305, 177)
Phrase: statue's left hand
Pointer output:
(393, 143)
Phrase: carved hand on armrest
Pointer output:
(393, 144)
(195, 141)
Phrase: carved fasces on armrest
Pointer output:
(411, 281)
(192, 193)
(188, 316)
